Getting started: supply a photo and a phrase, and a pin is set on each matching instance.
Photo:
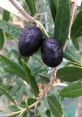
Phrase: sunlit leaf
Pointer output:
(62, 21)
(72, 91)
(69, 74)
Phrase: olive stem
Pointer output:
(42, 27)
(53, 76)
(59, 84)
(34, 104)
(22, 110)
(17, 112)
(22, 11)
(44, 92)
(27, 16)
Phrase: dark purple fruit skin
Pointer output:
(30, 41)
(51, 52)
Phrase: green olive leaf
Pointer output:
(62, 21)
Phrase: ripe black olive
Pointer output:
(51, 52)
(30, 40)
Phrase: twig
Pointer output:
(27, 16)
(42, 27)
(59, 84)
(53, 76)
(49, 86)
(21, 10)
(34, 104)
(65, 46)
(22, 110)
(42, 94)
(17, 112)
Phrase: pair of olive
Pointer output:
(31, 39)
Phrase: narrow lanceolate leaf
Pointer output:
(53, 7)
(76, 30)
(31, 5)
(72, 91)
(7, 94)
(62, 21)
(55, 106)
(11, 29)
(69, 74)
(6, 15)
(1, 39)
(72, 54)
(31, 79)
(16, 68)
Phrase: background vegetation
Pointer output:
(23, 79)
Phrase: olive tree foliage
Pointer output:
(31, 87)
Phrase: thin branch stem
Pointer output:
(22, 110)
(27, 16)
(42, 27)
(17, 112)
(43, 93)
(53, 75)
(21, 10)
(59, 84)
(34, 104)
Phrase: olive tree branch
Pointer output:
(22, 110)
(59, 84)
(27, 16)
(34, 104)
(53, 74)
(21, 10)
